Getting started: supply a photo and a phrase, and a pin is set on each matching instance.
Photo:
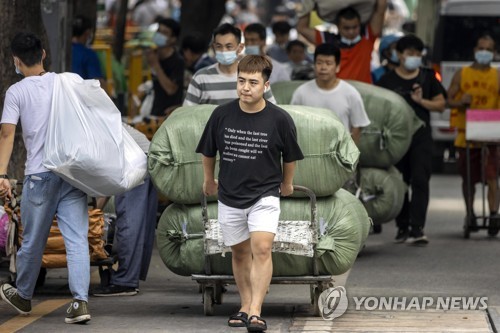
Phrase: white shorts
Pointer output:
(236, 224)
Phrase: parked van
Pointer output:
(459, 25)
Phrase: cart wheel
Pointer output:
(316, 311)
(208, 301)
(219, 290)
(466, 228)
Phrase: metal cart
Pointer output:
(482, 220)
(481, 129)
(104, 265)
(212, 286)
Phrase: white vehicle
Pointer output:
(460, 23)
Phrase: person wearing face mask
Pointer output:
(167, 68)
(388, 56)
(476, 87)
(356, 41)
(84, 60)
(255, 42)
(216, 84)
(277, 50)
(423, 92)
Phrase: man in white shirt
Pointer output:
(255, 43)
(329, 92)
(45, 194)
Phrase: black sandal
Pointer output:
(256, 326)
(242, 317)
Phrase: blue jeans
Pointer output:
(134, 233)
(45, 195)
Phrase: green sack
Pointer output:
(330, 155)
(346, 228)
(393, 122)
(382, 193)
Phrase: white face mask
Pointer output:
(226, 58)
(483, 57)
(412, 63)
(350, 42)
(252, 50)
(160, 39)
(18, 72)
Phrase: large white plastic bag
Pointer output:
(85, 141)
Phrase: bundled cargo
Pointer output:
(177, 172)
(345, 228)
(393, 123)
(54, 255)
(385, 141)
(382, 193)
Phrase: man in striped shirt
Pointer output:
(216, 84)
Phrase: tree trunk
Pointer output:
(16, 16)
(201, 16)
(121, 22)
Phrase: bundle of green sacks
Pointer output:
(393, 122)
(330, 155)
(382, 193)
(180, 237)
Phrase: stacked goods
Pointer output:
(393, 122)
(54, 255)
(180, 237)
(382, 193)
(385, 141)
(330, 156)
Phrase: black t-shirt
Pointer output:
(251, 146)
(431, 87)
(173, 67)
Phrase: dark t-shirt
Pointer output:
(173, 67)
(85, 62)
(431, 87)
(251, 146)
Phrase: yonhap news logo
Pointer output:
(333, 303)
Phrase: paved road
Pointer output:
(449, 266)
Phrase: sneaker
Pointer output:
(115, 290)
(401, 236)
(417, 238)
(77, 313)
(10, 295)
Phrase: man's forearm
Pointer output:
(288, 172)
(166, 83)
(208, 168)
(7, 134)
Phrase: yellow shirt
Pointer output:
(483, 86)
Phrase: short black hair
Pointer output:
(486, 35)
(409, 42)
(293, 43)
(80, 25)
(27, 47)
(348, 13)
(172, 24)
(227, 28)
(257, 28)
(281, 27)
(328, 49)
(195, 43)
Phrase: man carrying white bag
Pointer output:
(86, 144)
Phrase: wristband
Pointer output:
(4, 177)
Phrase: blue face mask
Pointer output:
(350, 42)
(160, 39)
(394, 57)
(252, 50)
(226, 58)
(483, 57)
(412, 63)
